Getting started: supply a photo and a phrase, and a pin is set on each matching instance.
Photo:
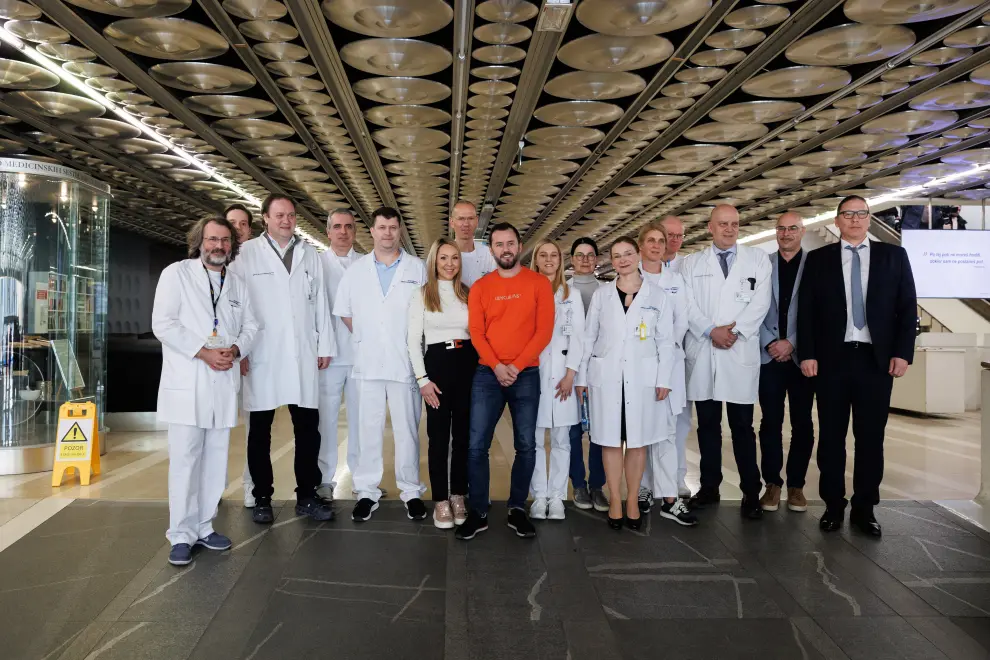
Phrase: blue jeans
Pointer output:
(488, 399)
(596, 476)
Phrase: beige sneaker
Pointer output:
(460, 509)
(796, 500)
(771, 498)
(443, 517)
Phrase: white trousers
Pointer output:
(246, 479)
(661, 460)
(553, 486)
(336, 386)
(197, 476)
(683, 427)
(405, 405)
(680, 438)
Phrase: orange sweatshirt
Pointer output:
(511, 318)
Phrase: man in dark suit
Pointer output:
(856, 320)
(781, 377)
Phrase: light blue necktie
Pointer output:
(723, 258)
(856, 286)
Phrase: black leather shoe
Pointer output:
(615, 523)
(704, 497)
(831, 520)
(751, 509)
(865, 522)
(635, 523)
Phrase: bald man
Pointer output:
(780, 375)
(728, 288)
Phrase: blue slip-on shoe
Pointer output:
(215, 541)
(180, 555)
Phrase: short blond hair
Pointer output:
(655, 225)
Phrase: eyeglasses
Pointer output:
(862, 214)
(792, 229)
(213, 240)
(675, 237)
(583, 256)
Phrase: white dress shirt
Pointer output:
(852, 332)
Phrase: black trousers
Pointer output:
(306, 428)
(853, 384)
(448, 427)
(743, 445)
(777, 381)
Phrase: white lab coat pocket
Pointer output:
(745, 353)
(597, 372)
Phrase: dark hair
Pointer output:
(506, 226)
(386, 212)
(584, 240)
(239, 207)
(850, 198)
(623, 239)
(271, 199)
(194, 238)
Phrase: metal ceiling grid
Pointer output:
(711, 184)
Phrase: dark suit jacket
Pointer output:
(891, 305)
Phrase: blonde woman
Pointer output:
(559, 408)
(438, 320)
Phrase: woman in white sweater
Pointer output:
(559, 408)
(438, 320)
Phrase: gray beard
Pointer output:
(215, 260)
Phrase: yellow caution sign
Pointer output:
(77, 443)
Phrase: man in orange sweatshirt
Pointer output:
(510, 317)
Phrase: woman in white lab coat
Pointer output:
(559, 408)
(202, 316)
(666, 459)
(627, 369)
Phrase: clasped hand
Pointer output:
(723, 337)
(506, 374)
(219, 359)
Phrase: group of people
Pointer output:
(473, 330)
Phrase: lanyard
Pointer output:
(215, 298)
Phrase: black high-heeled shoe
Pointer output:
(634, 523)
(614, 523)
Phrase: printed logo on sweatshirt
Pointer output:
(511, 296)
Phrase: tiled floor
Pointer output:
(92, 583)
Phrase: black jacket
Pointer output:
(891, 305)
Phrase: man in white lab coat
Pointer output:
(373, 302)
(242, 218)
(728, 289)
(476, 259)
(285, 280)
(336, 383)
(202, 316)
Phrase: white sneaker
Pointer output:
(555, 511)
(538, 510)
(248, 499)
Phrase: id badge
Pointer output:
(567, 330)
(742, 297)
(216, 341)
(642, 331)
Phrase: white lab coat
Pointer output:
(673, 285)
(731, 375)
(295, 325)
(190, 392)
(380, 322)
(333, 273)
(616, 359)
(562, 353)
